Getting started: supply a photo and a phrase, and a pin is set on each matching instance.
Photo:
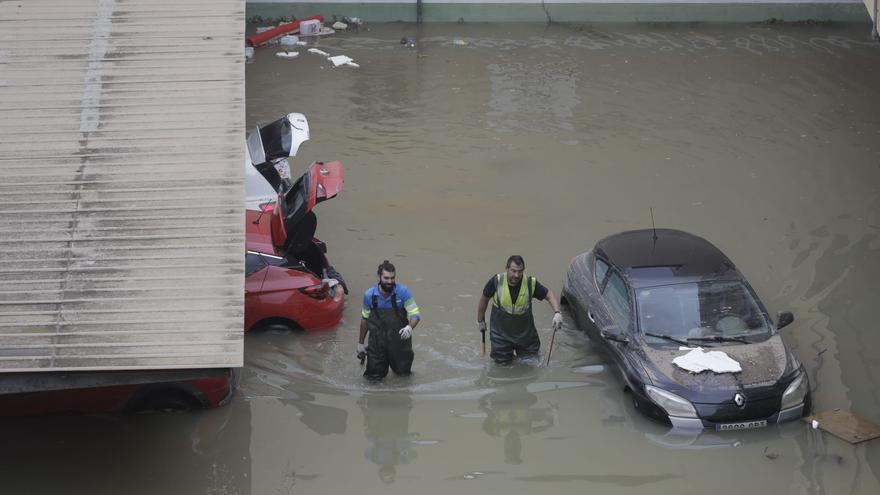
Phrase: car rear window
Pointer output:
(253, 263)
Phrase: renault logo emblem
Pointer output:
(739, 399)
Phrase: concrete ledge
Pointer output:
(606, 11)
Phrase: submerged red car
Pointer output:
(289, 282)
(26, 394)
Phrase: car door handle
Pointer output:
(591, 317)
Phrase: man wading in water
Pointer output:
(389, 315)
(512, 326)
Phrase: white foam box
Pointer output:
(310, 27)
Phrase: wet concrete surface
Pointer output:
(536, 141)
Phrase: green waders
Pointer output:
(385, 347)
(511, 333)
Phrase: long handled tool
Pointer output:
(483, 344)
(550, 349)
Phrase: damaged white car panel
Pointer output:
(269, 146)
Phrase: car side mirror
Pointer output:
(612, 332)
(783, 319)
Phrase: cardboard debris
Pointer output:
(846, 426)
(699, 360)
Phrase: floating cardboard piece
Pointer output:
(846, 425)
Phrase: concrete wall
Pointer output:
(571, 10)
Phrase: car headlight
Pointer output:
(795, 392)
(671, 403)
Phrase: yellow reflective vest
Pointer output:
(523, 302)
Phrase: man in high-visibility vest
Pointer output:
(389, 315)
(512, 326)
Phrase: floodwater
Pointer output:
(491, 140)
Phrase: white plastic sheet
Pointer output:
(342, 60)
(699, 360)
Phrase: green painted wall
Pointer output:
(592, 12)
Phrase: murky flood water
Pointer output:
(538, 141)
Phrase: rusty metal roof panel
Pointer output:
(121, 199)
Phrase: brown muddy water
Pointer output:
(537, 141)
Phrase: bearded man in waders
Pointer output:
(389, 315)
(512, 326)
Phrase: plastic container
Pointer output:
(310, 27)
(289, 40)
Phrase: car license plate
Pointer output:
(745, 425)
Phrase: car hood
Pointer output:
(763, 365)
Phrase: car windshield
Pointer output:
(715, 311)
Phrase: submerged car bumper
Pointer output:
(313, 314)
(782, 416)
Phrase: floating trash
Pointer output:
(342, 60)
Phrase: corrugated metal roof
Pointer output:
(121, 194)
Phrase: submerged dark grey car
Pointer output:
(647, 294)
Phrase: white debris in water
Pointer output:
(473, 415)
(591, 369)
(815, 424)
(289, 40)
(287, 55)
(699, 360)
(342, 60)
(319, 52)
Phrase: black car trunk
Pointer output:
(311, 259)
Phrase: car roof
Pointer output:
(672, 257)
